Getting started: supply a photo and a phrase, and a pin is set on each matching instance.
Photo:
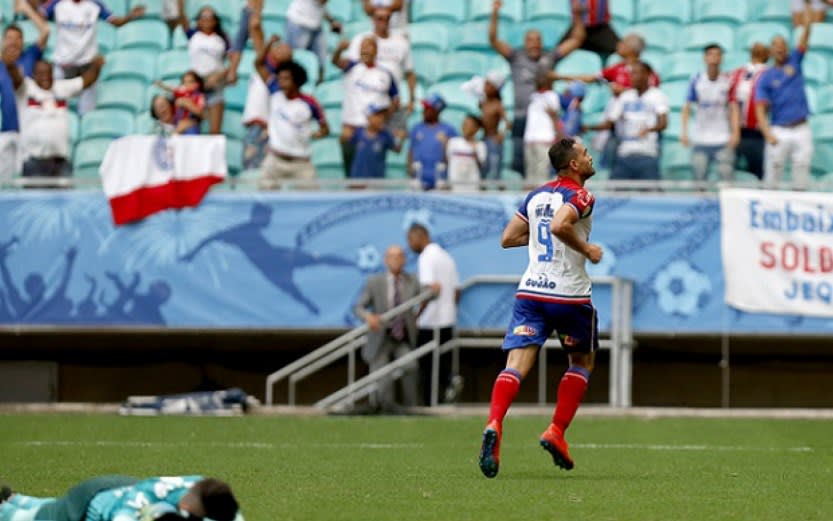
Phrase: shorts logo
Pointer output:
(569, 341)
(524, 331)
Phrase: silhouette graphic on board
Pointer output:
(133, 307)
(276, 263)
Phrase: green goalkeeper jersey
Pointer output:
(129, 502)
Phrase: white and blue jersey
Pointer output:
(75, 35)
(554, 293)
(128, 503)
(711, 96)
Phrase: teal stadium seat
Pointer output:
(674, 128)
(74, 128)
(454, 97)
(130, 64)
(152, 35)
(270, 27)
(733, 60)
(822, 126)
(236, 95)
(550, 33)
(677, 92)
(88, 156)
(106, 123)
(678, 11)
(463, 65)
(675, 163)
(6, 9)
(171, 65)
(822, 163)
(816, 68)
(118, 7)
(580, 62)
(474, 36)
(454, 117)
(121, 94)
(769, 11)
(428, 65)
(812, 102)
(697, 36)
(276, 10)
(330, 94)
(342, 10)
(658, 60)
(659, 36)
(735, 12)
(396, 164)
(682, 65)
(326, 153)
(821, 38)
(233, 124)
(548, 11)
(309, 61)
(622, 12)
(763, 32)
(247, 64)
(179, 40)
(234, 156)
(105, 35)
(144, 124)
(153, 8)
(333, 116)
(432, 36)
(595, 98)
(824, 99)
(512, 10)
(438, 10)
(331, 72)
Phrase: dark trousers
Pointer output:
(601, 39)
(751, 148)
(518, 128)
(424, 336)
(47, 167)
(348, 152)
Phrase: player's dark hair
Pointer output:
(217, 499)
(418, 228)
(197, 78)
(13, 27)
(299, 74)
(561, 153)
(711, 46)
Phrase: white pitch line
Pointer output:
(683, 448)
(228, 445)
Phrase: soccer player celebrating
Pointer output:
(554, 222)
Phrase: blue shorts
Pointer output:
(533, 322)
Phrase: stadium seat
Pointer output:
(171, 65)
(333, 116)
(658, 60)
(153, 8)
(472, 36)
(396, 164)
(816, 68)
(548, 11)
(178, 39)
(74, 128)
(454, 117)
(763, 32)
(733, 60)
(462, 66)
(812, 102)
(236, 95)
(130, 63)
(233, 124)
(595, 99)
(454, 97)
(327, 153)
(432, 36)
(105, 35)
(580, 62)
(118, 7)
(682, 65)
(824, 99)
(331, 72)
(234, 156)
(152, 35)
(275, 10)
(822, 126)
(821, 38)
(678, 11)
(735, 12)
(677, 92)
(822, 163)
(769, 11)
(512, 10)
(88, 156)
(673, 130)
(330, 94)
(622, 12)
(144, 124)
(355, 27)
(550, 33)
(659, 36)
(697, 36)
(341, 10)
(309, 61)
(675, 162)
(121, 94)
(106, 123)
(435, 10)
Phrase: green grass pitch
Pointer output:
(421, 468)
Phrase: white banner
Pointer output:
(777, 250)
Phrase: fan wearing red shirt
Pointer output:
(744, 120)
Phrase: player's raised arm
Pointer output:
(563, 227)
(515, 234)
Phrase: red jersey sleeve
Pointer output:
(583, 201)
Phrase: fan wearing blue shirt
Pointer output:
(372, 144)
(13, 38)
(781, 90)
(426, 156)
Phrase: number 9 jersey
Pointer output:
(556, 272)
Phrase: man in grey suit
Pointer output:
(387, 341)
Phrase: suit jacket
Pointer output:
(374, 298)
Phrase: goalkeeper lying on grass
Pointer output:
(121, 498)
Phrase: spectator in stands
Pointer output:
(542, 129)
(601, 38)
(393, 54)
(189, 102)
(13, 36)
(208, 47)
(466, 156)
(75, 38)
(304, 28)
(394, 339)
(525, 64)
(639, 115)
(781, 90)
(44, 126)
(487, 90)
(436, 270)
(365, 84)
(713, 142)
(426, 156)
(399, 13)
(571, 100)
(818, 10)
(10, 81)
(743, 116)
(372, 143)
(291, 114)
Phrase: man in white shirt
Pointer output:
(709, 92)
(394, 54)
(75, 38)
(465, 156)
(437, 270)
(639, 115)
(291, 114)
(399, 13)
(45, 120)
(541, 130)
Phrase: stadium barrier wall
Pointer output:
(299, 260)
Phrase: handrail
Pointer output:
(336, 343)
